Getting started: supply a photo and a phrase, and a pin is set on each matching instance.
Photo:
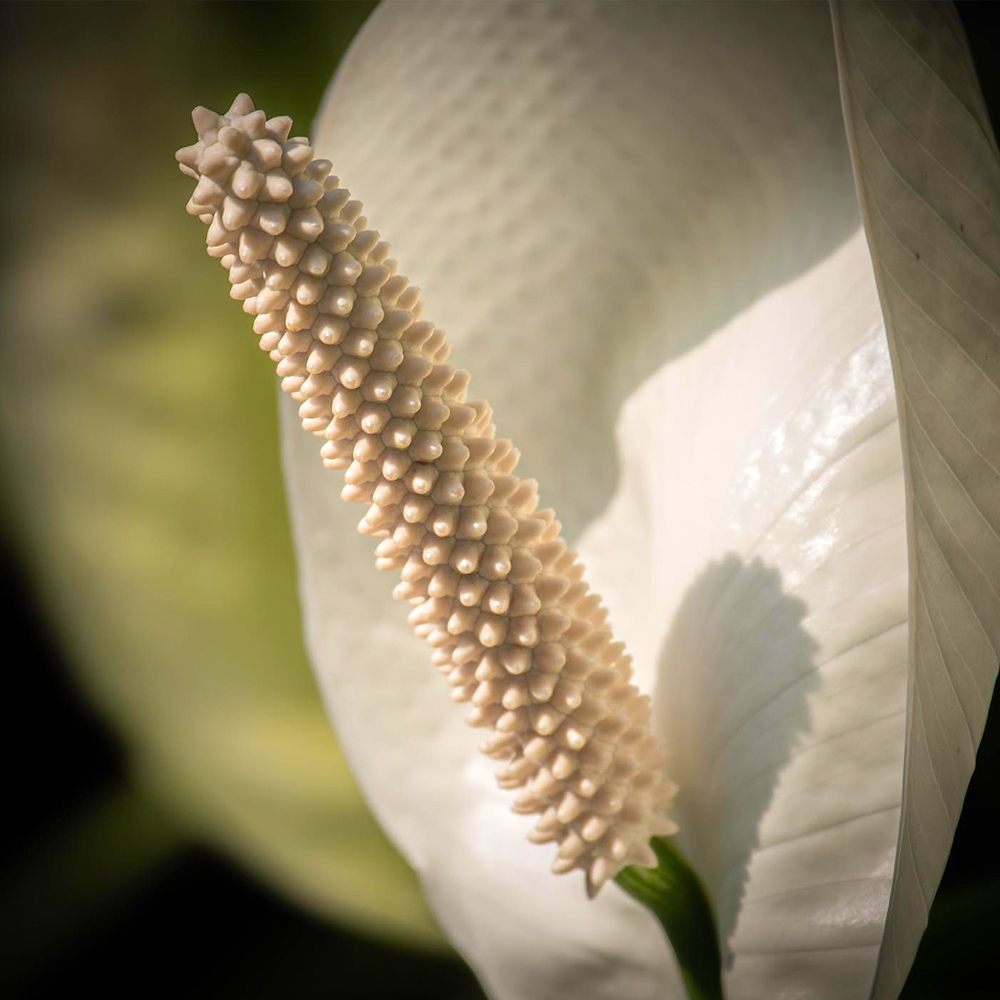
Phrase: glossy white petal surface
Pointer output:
(771, 607)
(642, 217)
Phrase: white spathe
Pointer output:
(639, 227)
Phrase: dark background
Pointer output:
(188, 921)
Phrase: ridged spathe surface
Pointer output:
(928, 176)
(495, 591)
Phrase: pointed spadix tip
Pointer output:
(242, 105)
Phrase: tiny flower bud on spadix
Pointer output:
(495, 591)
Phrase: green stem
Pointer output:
(677, 898)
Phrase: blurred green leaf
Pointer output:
(139, 447)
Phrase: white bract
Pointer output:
(639, 225)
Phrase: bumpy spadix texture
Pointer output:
(495, 591)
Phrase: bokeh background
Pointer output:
(177, 814)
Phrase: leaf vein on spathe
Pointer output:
(855, 595)
(805, 835)
(993, 383)
(933, 707)
(922, 60)
(953, 45)
(929, 198)
(951, 379)
(847, 688)
(947, 672)
(902, 125)
(868, 638)
(942, 709)
(917, 827)
(924, 745)
(961, 65)
(974, 677)
(835, 554)
(914, 410)
(920, 199)
(927, 111)
(958, 298)
(958, 236)
(720, 749)
(848, 734)
(944, 332)
(911, 253)
(831, 738)
(918, 509)
(941, 530)
(919, 462)
(894, 950)
(916, 878)
(906, 52)
(752, 901)
(951, 24)
(825, 471)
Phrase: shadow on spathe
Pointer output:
(733, 679)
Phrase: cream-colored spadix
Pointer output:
(495, 592)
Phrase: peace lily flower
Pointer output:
(643, 218)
